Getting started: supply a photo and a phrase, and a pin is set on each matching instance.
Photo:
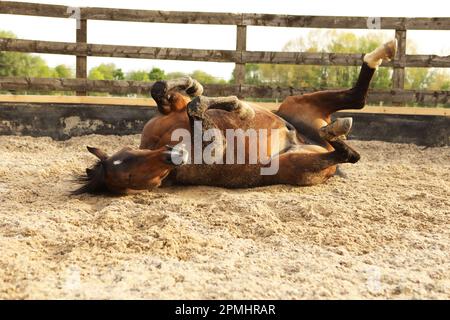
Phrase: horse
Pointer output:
(299, 140)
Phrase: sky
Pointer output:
(215, 36)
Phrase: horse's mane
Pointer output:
(93, 181)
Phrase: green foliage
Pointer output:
(336, 76)
(138, 75)
(175, 75)
(440, 80)
(63, 71)
(253, 74)
(23, 64)
(156, 74)
(118, 74)
(206, 78)
(417, 78)
(320, 76)
(104, 71)
(18, 64)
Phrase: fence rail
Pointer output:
(81, 49)
(242, 19)
(237, 56)
(138, 87)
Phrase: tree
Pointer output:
(139, 75)
(440, 80)
(156, 74)
(201, 76)
(324, 76)
(206, 78)
(22, 64)
(118, 74)
(63, 71)
(104, 71)
(175, 75)
(337, 76)
(252, 74)
(419, 78)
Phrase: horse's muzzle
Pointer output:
(176, 156)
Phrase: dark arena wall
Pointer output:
(62, 121)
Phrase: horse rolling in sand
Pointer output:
(299, 138)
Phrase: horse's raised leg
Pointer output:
(201, 122)
(199, 105)
(166, 93)
(315, 108)
(196, 110)
(309, 167)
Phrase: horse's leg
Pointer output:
(201, 122)
(166, 93)
(309, 167)
(339, 128)
(199, 105)
(315, 108)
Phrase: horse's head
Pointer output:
(130, 169)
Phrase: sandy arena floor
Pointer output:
(382, 232)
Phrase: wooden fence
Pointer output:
(81, 49)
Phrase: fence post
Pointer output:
(82, 60)
(241, 45)
(398, 76)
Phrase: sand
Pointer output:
(381, 232)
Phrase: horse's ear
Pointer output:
(90, 172)
(98, 153)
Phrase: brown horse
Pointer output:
(250, 146)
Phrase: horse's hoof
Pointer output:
(390, 49)
(384, 52)
(337, 129)
(194, 107)
(195, 90)
(245, 111)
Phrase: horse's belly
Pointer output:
(220, 175)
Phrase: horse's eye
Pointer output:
(117, 162)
